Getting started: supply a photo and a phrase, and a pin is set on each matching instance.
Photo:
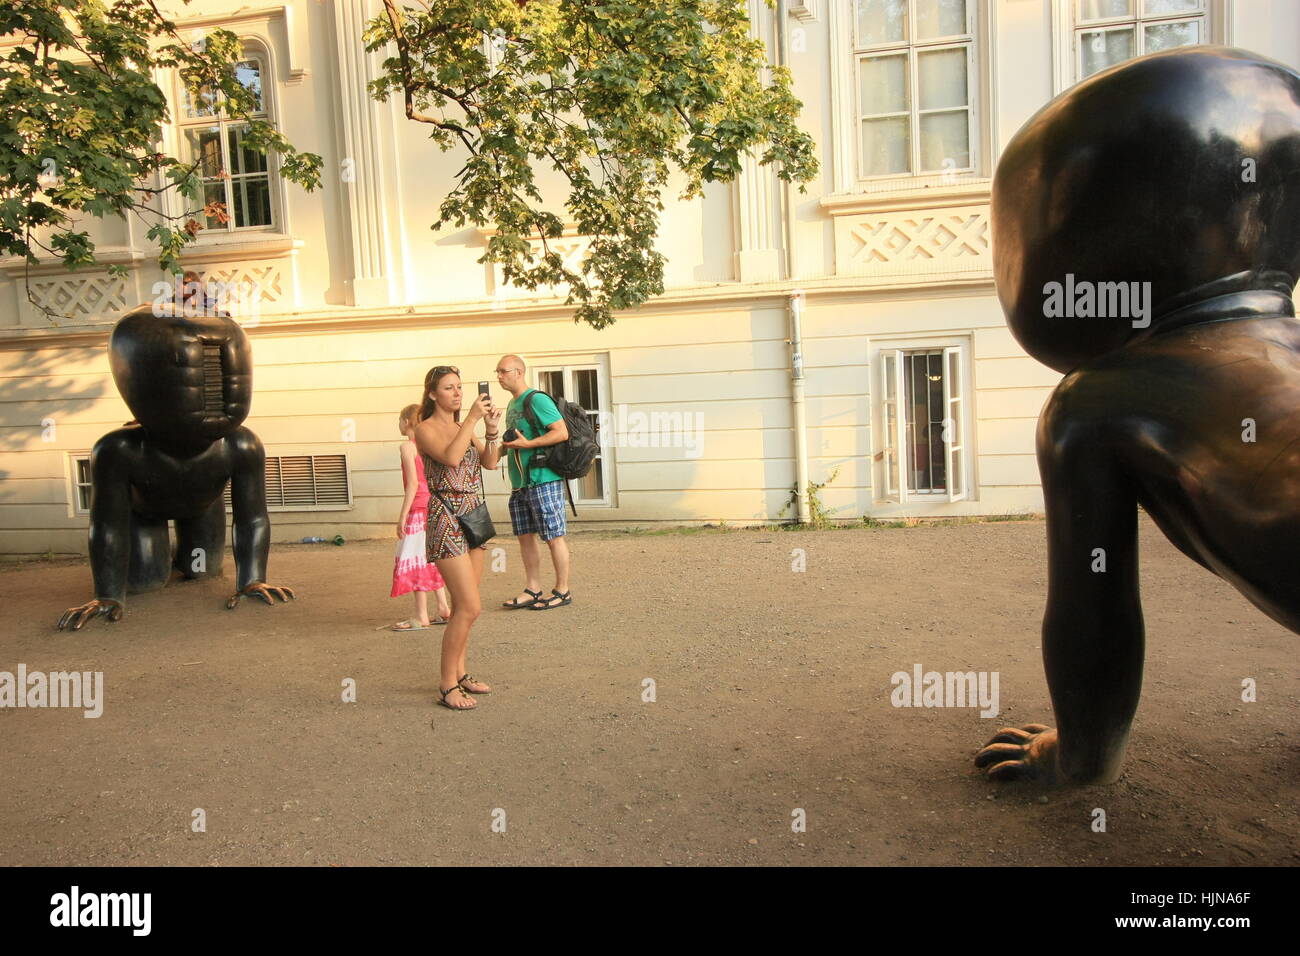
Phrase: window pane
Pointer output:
(1156, 8)
(590, 485)
(945, 136)
(201, 103)
(203, 145)
(881, 21)
(941, 79)
(243, 159)
(885, 146)
(954, 407)
(214, 192)
(1103, 49)
(882, 85)
(552, 383)
(1100, 9)
(252, 201)
(1166, 36)
(584, 382)
(249, 74)
(918, 419)
(940, 18)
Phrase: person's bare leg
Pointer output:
(462, 580)
(422, 608)
(560, 559)
(473, 686)
(444, 605)
(532, 556)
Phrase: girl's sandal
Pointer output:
(410, 624)
(465, 677)
(453, 687)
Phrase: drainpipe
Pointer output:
(795, 307)
(800, 409)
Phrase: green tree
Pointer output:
(615, 94)
(81, 117)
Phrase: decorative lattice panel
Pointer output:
(932, 241)
(572, 250)
(249, 285)
(78, 295)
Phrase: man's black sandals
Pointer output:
(544, 604)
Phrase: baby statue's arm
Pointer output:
(1092, 629)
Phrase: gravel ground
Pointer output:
(772, 695)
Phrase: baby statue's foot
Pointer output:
(1026, 753)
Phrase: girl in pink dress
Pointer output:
(411, 569)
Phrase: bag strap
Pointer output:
(528, 410)
(537, 427)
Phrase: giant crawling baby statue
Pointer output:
(188, 380)
(1146, 232)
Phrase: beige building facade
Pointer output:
(852, 330)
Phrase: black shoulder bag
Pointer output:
(477, 523)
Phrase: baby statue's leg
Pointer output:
(1092, 629)
(150, 556)
(201, 542)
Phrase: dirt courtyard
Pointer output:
(772, 695)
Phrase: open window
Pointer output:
(923, 395)
(586, 385)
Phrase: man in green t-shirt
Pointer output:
(537, 498)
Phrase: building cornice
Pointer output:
(15, 267)
(487, 311)
(973, 193)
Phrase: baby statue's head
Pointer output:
(187, 379)
(1160, 183)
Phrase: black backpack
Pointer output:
(569, 459)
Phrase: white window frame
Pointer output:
(911, 49)
(254, 48)
(604, 459)
(891, 415)
(74, 498)
(1216, 21)
(846, 117)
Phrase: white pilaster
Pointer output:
(362, 175)
(758, 258)
(843, 125)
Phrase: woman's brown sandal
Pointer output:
(465, 677)
(444, 694)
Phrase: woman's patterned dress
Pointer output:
(460, 487)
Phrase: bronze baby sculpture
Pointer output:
(188, 380)
(1147, 241)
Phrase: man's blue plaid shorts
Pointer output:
(539, 509)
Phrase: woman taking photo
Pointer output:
(453, 460)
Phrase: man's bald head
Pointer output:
(510, 374)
